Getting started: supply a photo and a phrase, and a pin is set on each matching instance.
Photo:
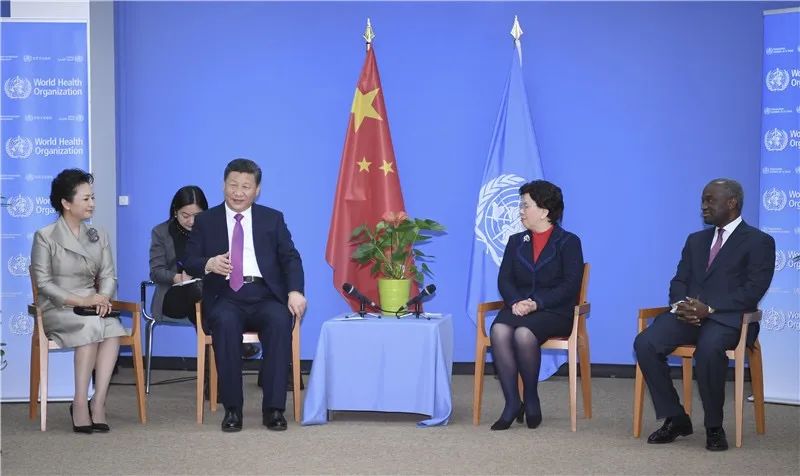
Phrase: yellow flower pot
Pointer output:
(393, 293)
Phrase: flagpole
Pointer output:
(516, 32)
(368, 34)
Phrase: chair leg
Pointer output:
(738, 401)
(136, 350)
(201, 374)
(148, 353)
(43, 382)
(33, 394)
(757, 383)
(213, 385)
(586, 375)
(296, 396)
(638, 402)
(686, 364)
(477, 387)
(572, 358)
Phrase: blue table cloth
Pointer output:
(384, 365)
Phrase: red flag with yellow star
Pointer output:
(368, 183)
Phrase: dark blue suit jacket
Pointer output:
(736, 280)
(278, 260)
(553, 281)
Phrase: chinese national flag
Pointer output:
(368, 183)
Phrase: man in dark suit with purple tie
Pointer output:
(723, 273)
(252, 281)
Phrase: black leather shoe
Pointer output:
(87, 429)
(533, 421)
(672, 428)
(274, 420)
(98, 427)
(715, 439)
(232, 421)
(501, 424)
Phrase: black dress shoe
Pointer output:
(87, 429)
(98, 427)
(232, 421)
(672, 428)
(501, 424)
(533, 421)
(274, 420)
(715, 439)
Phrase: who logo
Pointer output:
(18, 265)
(17, 87)
(774, 200)
(21, 324)
(775, 140)
(777, 80)
(20, 206)
(19, 147)
(773, 320)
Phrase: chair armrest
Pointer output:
(483, 308)
(143, 298)
(649, 313)
(132, 308)
(751, 317)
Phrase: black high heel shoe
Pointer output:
(501, 424)
(533, 421)
(98, 427)
(79, 429)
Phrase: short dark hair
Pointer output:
(547, 196)
(245, 166)
(65, 186)
(732, 188)
(188, 195)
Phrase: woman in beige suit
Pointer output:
(73, 266)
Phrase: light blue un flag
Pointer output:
(513, 160)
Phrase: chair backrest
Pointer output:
(584, 291)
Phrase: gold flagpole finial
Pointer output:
(516, 30)
(369, 35)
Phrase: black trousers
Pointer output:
(711, 339)
(252, 309)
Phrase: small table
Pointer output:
(384, 365)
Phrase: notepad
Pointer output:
(188, 281)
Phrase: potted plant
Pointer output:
(391, 247)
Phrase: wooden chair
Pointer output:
(41, 347)
(576, 345)
(204, 342)
(686, 352)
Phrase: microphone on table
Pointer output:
(351, 290)
(425, 292)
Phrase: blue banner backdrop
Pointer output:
(44, 118)
(780, 203)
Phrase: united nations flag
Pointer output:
(513, 160)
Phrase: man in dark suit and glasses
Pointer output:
(252, 281)
(723, 273)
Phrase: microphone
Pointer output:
(351, 290)
(426, 291)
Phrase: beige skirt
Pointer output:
(68, 329)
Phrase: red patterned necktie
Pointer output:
(715, 249)
(237, 254)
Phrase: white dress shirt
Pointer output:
(728, 230)
(249, 254)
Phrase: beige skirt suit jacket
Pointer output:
(64, 264)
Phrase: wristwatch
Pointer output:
(710, 309)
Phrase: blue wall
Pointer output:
(636, 107)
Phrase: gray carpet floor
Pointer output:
(388, 443)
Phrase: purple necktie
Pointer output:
(716, 247)
(237, 254)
